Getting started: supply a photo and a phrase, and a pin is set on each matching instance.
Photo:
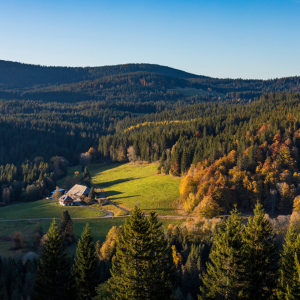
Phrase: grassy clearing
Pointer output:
(100, 228)
(44, 209)
(117, 211)
(128, 185)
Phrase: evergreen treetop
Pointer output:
(225, 278)
(261, 255)
(85, 266)
(54, 280)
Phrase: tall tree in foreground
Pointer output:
(130, 266)
(161, 269)
(289, 286)
(261, 256)
(54, 279)
(225, 276)
(85, 267)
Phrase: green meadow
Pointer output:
(44, 209)
(99, 227)
(130, 185)
(127, 185)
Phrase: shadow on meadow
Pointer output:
(113, 182)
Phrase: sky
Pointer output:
(224, 39)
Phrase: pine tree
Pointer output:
(225, 272)
(3, 287)
(66, 228)
(86, 174)
(85, 267)
(92, 194)
(261, 256)
(130, 266)
(54, 279)
(289, 286)
(161, 271)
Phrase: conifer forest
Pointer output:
(233, 144)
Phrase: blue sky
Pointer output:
(236, 39)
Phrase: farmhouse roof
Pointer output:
(65, 197)
(60, 190)
(79, 190)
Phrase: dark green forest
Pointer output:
(142, 112)
(234, 143)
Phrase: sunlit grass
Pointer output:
(129, 185)
(44, 209)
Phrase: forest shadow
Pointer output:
(112, 193)
(98, 168)
(113, 182)
(113, 199)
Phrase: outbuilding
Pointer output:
(66, 200)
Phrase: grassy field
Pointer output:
(100, 228)
(128, 185)
(44, 209)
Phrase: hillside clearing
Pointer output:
(45, 209)
(128, 185)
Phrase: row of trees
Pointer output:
(223, 260)
(32, 180)
(141, 269)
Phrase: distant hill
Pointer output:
(19, 75)
(127, 83)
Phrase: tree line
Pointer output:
(224, 260)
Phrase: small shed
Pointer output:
(62, 191)
(66, 200)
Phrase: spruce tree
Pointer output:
(131, 264)
(92, 194)
(66, 228)
(161, 271)
(85, 267)
(289, 285)
(225, 276)
(261, 256)
(86, 173)
(54, 280)
(3, 287)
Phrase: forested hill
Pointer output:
(130, 83)
(18, 75)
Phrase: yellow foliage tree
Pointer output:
(296, 205)
(208, 208)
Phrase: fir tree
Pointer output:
(54, 279)
(130, 266)
(85, 267)
(225, 272)
(66, 228)
(86, 174)
(86, 177)
(161, 271)
(162, 160)
(92, 194)
(261, 256)
(3, 287)
(289, 285)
